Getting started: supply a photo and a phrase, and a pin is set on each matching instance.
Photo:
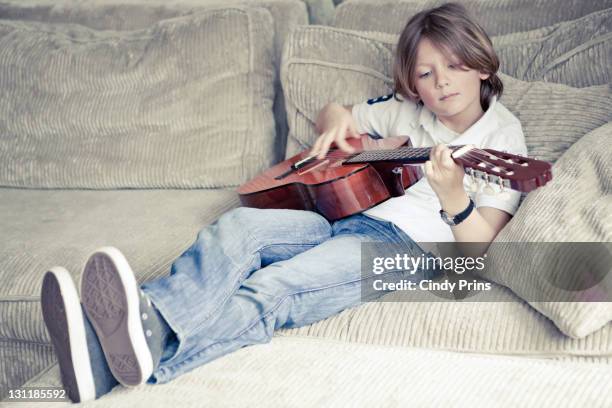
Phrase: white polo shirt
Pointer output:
(417, 212)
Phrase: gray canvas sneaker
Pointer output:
(132, 333)
(83, 368)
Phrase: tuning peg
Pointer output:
(488, 189)
(474, 186)
(503, 191)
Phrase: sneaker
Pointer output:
(83, 368)
(131, 332)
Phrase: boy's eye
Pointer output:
(426, 74)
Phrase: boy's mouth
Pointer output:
(445, 97)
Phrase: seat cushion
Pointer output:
(494, 321)
(44, 228)
(87, 108)
(312, 372)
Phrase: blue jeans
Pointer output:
(254, 271)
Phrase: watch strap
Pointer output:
(457, 219)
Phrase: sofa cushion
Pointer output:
(575, 53)
(575, 206)
(140, 14)
(320, 11)
(317, 70)
(496, 16)
(554, 116)
(44, 228)
(495, 321)
(130, 109)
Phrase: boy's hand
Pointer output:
(445, 177)
(336, 124)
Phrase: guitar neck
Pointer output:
(404, 155)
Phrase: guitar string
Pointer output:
(467, 154)
(474, 153)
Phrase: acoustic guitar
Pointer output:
(344, 184)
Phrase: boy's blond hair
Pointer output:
(452, 29)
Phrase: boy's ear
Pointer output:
(414, 96)
(483, 76)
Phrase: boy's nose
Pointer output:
(441, 78)
(442, 81)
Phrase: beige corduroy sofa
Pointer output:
(130, 123)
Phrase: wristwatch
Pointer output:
(457, 219)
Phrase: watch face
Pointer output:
(447, 219)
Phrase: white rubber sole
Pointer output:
(71, 350)
(113, 308)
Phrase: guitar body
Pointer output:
(327, 186)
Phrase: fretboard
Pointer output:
(401, 155)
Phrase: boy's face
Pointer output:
(447, 88)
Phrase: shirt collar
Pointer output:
(427, 120)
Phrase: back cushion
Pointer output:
(496, 16)
(317, 70)
(137, 109)
(576, 53)
(140, 14)
(569, 281)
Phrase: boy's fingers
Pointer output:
(432, 153)
(353, 132)
(321, 144)
(447, 160)
(325, 145)
(344, 146)
(317, 145)
(435, 163)
(439, 154)
(428, 169)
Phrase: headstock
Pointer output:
(503, 169)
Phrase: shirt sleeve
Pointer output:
(376, 116)
(510, 140)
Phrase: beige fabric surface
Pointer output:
(576, 206)
(21, 360)
(310, 372)
(44, 228)
(141, 14)
(555, 116)
(104, 109)
(324, 64)
(490, 322)
(575, 53)
(320, 11)
(496, 16)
